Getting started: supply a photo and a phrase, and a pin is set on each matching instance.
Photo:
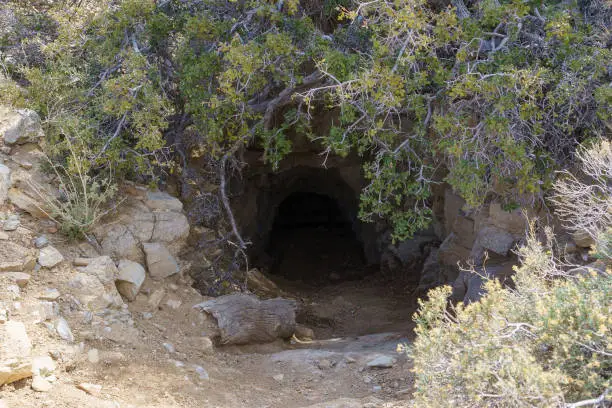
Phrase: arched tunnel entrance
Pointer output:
(313, 240)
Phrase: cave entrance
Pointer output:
(313, 240)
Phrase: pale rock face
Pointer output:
(160, 201)
(119, 242)
(131, 278)
(103, 268)
(160, 261)
(49, 257)
(19, 126)
(495, 239)
(15, 258)
(5, 183)
(15, 352)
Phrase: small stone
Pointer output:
(202, 373)
(63, 329)
(39, 384)
(173, 303)
(376, 388)
(130, 279)
(11, 223)
(48, 310)
(20, 278)
(381, 362)
(155, 298)
(160, 261)
(169, 347)
(279, 377)
(3, 236)
(325, 364)
(41, 242)
(91, 389)
(93, 356)
(206, 345)
(49, 294)
(81, 261)
(49, 257)
(147, 315)
(43, 366)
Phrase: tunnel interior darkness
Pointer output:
(313, 240)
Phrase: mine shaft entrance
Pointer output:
(312, 240)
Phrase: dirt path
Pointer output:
(163, 361)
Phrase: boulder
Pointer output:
(495, 239)
(130, 279)
(102, 268)
(119, 242)
(19, 126)
(451, 252)
(463, 228)
(161, 201)
(15, 258)
(5, 183)
(171, 228)
(160, 261)
(15, 353)
(49, 257)
(513, 221)
(26, 203)
(138, 219)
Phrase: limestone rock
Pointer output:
(19, 126)
(5, 183)
(118, 242)
(512, 221)
(26, 203)
(138, 219)
(15, 258)
(161, 201)
(93, 294)
(130, 279)
(495, 239)
(103, 268)
(49, 257)
(160, 261)
(20, 278)
(63, 329)
(170, 228)
(39, 384)
(381, 362)
(12, 223)
(15, 352)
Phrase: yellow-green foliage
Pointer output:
(541, 345)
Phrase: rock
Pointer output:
(26, 203)
(169, 347)
(63, 329)
(325, 364)
(160, 262)
(81, 261)
(512, 221)
(15, 352)
(118, 242)
(93, 356)
(15, 258)
(41, 242)
(463, 228)
(171, 228)
(39, 384)
(5, 183)
(279, 377)
(495, 240)
(155, 298)
(206, 345)
(583, 239)
(102, 268)
(49, 257)
(49, 294)
(3, 236)
(173, 303)
(202, 373)
(91, 389)
(43, 366)
(3, 404)
(12, 223)
(259, 284)
(20, 278)
(48, 310)
(130, 279)
(451, 252)
(19, 126)
(161, 201)
(304, 333)
(381, 362)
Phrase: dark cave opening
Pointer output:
(313, 240)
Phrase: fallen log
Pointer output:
(244, 319)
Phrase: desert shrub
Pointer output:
(544, 343)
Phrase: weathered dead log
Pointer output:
(244, 319)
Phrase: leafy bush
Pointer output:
(547, 342)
